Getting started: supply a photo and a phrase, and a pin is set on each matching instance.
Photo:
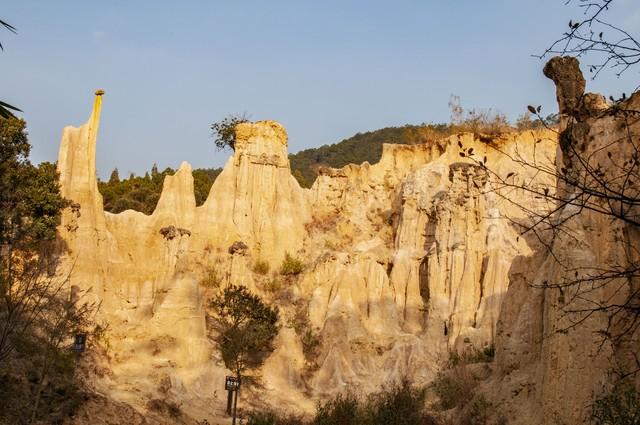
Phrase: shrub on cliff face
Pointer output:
(261, 267)
(291, 266)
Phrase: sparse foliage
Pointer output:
(224, 131)
(593, 35)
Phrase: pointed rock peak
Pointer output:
(97, 108)
(77, 156)
(185, 167)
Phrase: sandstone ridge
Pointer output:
(406, 260)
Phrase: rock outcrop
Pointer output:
(563, 324)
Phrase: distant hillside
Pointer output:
(359, 148)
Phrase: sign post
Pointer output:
(79, 342)
(232, 385)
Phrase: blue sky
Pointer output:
(324, 69)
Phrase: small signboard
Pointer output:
(231, 383)
(79, 342)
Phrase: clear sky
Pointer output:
(325, 69)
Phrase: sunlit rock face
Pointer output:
(405, 260)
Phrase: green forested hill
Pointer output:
(359, 148)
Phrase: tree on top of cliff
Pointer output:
(246, 328)
(224, 131)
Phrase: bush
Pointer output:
(341, 410)
(470, 356)
(399, 404)
(271, 418)
(621, 406)
(477, 412)
(454, 387)
(261, 267)
(164, 407)
(291, 266)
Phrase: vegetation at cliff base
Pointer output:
(396, 404)
(38, 317)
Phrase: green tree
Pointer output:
(30, 207)
(224, 132)
(246, 328)
(37, 315)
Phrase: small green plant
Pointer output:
(291, 266)
(620, 406)
(261, 267)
